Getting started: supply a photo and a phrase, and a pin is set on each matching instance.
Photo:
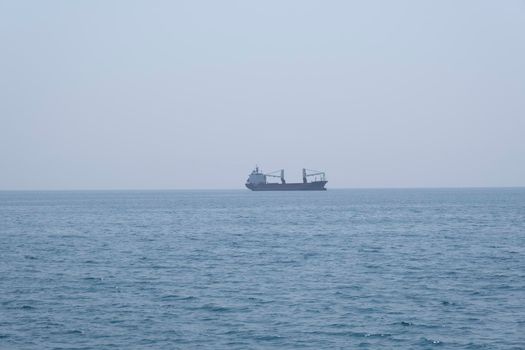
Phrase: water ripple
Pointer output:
(345, 269)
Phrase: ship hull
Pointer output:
(309, 186)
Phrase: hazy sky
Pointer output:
(192, 94)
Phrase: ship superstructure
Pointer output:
(258, 181)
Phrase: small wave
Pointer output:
(309, 255)
(160, 267)
(92, 279)
(372, 266)
(116, 321)
(286, 261)
(475, 346)
(412, 324)
(268, 337)
(352, 334)
(170, 297)
(68, 332)
(215, 308)
(175, 297)
(377, 335)
(338, 325)
(427, 341)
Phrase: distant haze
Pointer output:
(194, 94)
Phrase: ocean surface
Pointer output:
(341, 269)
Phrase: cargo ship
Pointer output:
(257, 181)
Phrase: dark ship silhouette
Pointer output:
(257, 181)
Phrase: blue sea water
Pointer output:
(342, 269)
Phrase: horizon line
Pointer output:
(244, 189)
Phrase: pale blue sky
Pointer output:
(192, 94)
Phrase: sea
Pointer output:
(235, 269)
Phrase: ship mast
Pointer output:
(315, 173)
(281, 176)
(304, 176)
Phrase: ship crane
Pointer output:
(312, 173)
(281, 176)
